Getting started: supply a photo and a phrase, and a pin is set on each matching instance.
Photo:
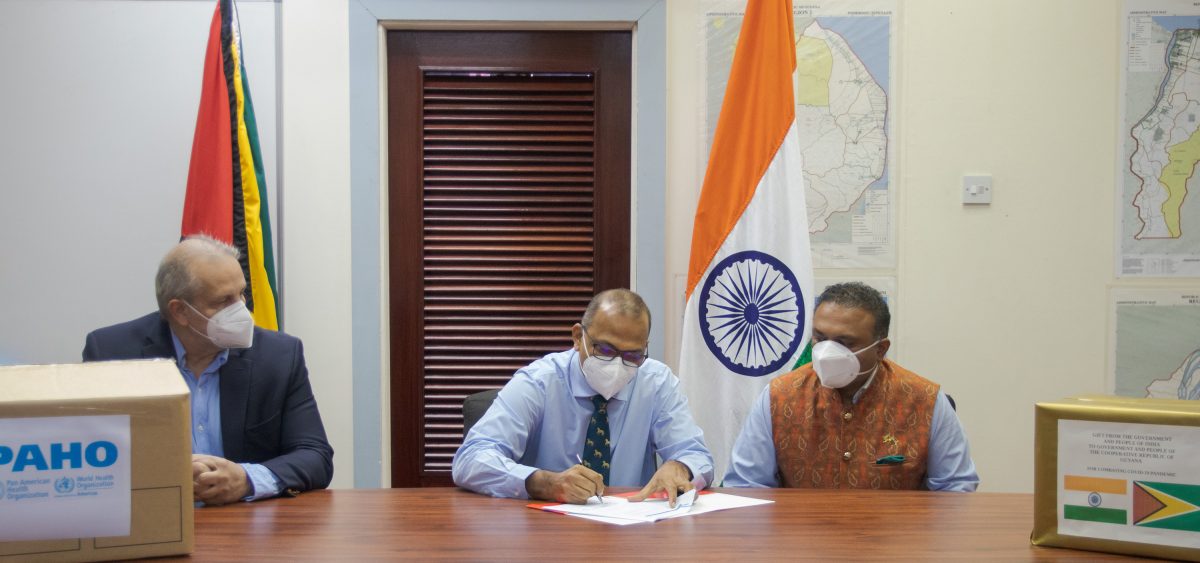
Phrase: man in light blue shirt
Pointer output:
(566, 420)
(208, 450)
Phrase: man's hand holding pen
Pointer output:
(575, 485)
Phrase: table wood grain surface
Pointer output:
(449, 523)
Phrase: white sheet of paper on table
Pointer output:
(618, 510)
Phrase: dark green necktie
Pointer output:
(597, 447)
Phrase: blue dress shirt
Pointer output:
(949, 468)
(540, 419)
(206, 420)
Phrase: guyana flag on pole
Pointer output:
(226, 190)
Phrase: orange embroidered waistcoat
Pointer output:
(823, 443)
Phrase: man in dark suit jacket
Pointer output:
(271, 440)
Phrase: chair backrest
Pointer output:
(951, 399)
(475, 405)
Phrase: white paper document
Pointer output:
(618, 510)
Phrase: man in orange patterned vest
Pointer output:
(852, 419)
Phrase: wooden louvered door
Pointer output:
(509, 206)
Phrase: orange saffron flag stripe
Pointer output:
(1095, 484)
(755, 116)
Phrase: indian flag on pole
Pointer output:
(226, 188)
(750, 274)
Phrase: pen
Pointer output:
(580, 460)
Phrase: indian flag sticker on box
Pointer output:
(1096, 499)
(1129, 482)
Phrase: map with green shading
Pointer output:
(1160, 141)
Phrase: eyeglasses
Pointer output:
(606, 352)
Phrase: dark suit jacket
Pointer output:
(268, 412)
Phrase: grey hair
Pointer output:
(621, 301)
(175, 279)
(858, 295)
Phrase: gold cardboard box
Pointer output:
(1119, 475)
(155, 397)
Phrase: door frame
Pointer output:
(368, 22)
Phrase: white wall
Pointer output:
(1007, 305)
(315, 232)
(97, 113)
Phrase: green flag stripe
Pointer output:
(1189, 522)
(264, 214)
(805, 356)
(1186, 493)
(1091, 514)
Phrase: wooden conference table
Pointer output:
(451, 523)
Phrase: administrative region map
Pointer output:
(1156, 348)
(1159, 141)
(844, 55)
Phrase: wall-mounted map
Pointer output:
(1159, 141)
(1156, 343)
(844, 102)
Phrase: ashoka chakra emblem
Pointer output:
(752, 313)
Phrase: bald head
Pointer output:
(177, 279)
(616, 301)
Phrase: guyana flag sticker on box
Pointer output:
(1120, 475)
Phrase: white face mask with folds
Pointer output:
(231, 327)
(607, 377)
(836, 365)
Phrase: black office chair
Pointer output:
(951, 399)
(475, 405)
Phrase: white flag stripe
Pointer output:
(774, 223)
(1098, 500)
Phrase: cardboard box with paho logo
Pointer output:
(95, 461)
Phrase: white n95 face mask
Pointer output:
(836, 365)
(606, 377)
(231, 327)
